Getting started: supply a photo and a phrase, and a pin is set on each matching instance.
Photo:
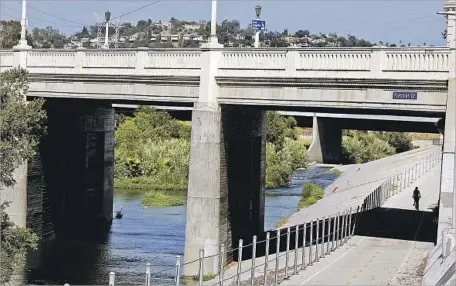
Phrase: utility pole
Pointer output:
(24, 22)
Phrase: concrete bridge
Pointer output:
(320, 78)
(230, 90)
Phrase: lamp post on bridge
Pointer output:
(213, 37)
(107, 18)
(257, 33)
(22, 45)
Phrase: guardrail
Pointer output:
(430, 63)
(290, 249)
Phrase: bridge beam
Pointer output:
(326, 141)
(78, 155)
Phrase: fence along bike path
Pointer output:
(368, 260)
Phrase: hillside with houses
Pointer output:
(174, 33)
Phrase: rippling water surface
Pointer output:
(154, 235)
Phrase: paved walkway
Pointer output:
(358, 181)
(368, 260)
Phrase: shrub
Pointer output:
(399, 141)
(361, 147)
(298, 153)
(161, 199)
(279, 167)
(310, 194)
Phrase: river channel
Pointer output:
(154, 235)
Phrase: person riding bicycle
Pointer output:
(416, 198)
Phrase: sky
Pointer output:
(409, 21)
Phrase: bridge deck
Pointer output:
(376, 258)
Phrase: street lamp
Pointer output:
(107, 18)
(257, 34)
(258, 11)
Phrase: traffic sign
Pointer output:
(258, 25)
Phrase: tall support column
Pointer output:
(207, 203)
(78, 162)
(326, 141)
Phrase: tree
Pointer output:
(190, 44)
(21, 124)
(301, 33)
(48, 38)
(10, 34)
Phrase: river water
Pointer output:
(154, 235)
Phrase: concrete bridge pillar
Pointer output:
(225, 200)
(78, 160)
(326, 146)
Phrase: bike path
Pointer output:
(368, 260)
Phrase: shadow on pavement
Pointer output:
(402, 224)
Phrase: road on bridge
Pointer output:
(390, 245)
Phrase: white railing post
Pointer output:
(292, 63)
(295, 271)
(141, 59)
(239, 266)
(310, 244)
(322, 254)
(378, 61)
(252, 273)
(304, 241)
(178, 266)
(201, 267)
(148, 274)
(112, 278)
(222, 264)
(328, 249)
(317, 240)
(287, 253)
(276, 271)
(266, 259)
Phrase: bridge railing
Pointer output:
(281, 253)
(398, 63)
